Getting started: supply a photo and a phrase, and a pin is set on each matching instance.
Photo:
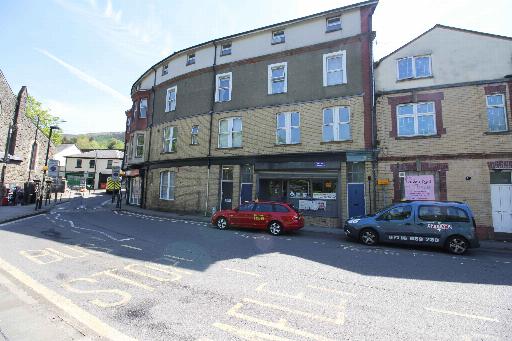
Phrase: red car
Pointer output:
(276, 217)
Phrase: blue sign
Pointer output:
(320, 164)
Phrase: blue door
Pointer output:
(245, 193)
(356, 206)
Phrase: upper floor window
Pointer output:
(191, 58)
(336, 125)
(170, 102)
(278, 37)
(414, 67)
(143, 108)
(128, 122)
(165, 69)
(333, 24)
(288, 128)
(416, 119)
(109, 164)
(223, 87)
(167, 185)
(92, 163)
(194, 133)
(139, 146)
(230, 132)
(335, 71)
(496, 113)
(170, 138)
(79, 163)
(277, 78)
(225, 49)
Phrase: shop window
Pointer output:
(246, 174)
(298, 188)
(227, 173)
(355, 172)
(324, 189)
(501, 178)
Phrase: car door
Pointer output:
(243, 216)
(430, 222)
(262, 215)
(396, 224)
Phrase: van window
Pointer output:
(443, 213)
(454, 214)
(397, 213)
(431, 213)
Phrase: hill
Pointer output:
(106, 140)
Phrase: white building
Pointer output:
(63, 150)
(95, 166)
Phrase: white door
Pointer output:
(501, 200)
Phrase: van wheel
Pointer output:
(368, 237)
(457, 245)
(275, 228)
(222, 223)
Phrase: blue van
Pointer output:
(450, 225)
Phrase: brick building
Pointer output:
(25, 144)
(277, 113)
(443, 113)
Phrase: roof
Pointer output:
(100, 154)
(64, 146)
(288, 22)
(446, 28)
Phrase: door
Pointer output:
(397, 224)
(501, 200)
(262, 215)
(245, 193)
(356, 206)
(244, 216)
(226, 202)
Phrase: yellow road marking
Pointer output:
(243, 272)
(477, 317)
(299, 296)
(125, 296)
(89, 320)
(122, 279)
(332, 290)
(149, 266)
(33, 255)
(248, 334)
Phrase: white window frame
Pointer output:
(225, 50)
(165, 69)
(413, 58)
(217, 84)
(171, 187)
(194, 136)
(271, 80)
(169, 104)
(416, 116)
(137, 145)
(278, 40)
(230, 132)
(169, 135)
(336, 122)
(191, 58)
(287, 127)
(145, 100)
(328, 27)
(343, 54)
(497, 106)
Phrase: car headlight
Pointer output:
(353, 221)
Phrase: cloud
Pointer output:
(125, 100)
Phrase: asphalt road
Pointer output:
(120, 275)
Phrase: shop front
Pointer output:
(134, 186)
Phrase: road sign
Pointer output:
(115, 173)
(53, 168)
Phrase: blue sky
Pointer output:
(80, 58)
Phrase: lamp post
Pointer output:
(45, 168)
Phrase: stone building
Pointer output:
(443, 117)
(25, 144)
(282, 112)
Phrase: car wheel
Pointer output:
(222, 223)
(369, 237)
(275, 228)
(457, 245)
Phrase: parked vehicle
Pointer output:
(276, 217)
(446, 224)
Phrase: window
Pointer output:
(280, 208)
(455, 214)
(443, 214)
(336, 124)
(143, 108)
(397, 213)
(109, 164)
(278, 37)
(128, 122)
(414, 67)
(225, 49)
(191, 59)
(227, 172)
(501, 178)
(288, 128)
(277, 78)
(355, 172)
(194, 133)
(167, 185)
(79, 163)
(230, 132)
(165, 69)
(263, 208)
(92, 163)
(333, 24)
(246, 208)
(139, 147)
(169, 139)
(223, 87)
(416, 119)
(170, 103)
(246, 174)
(334, 68)
(496, 113)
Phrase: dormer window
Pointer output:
(225, 49)
(414, 67)
(278, 37)
(333, 24)
(165, 69)
(191, 59)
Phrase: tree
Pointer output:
(115, 144)
(46, 120)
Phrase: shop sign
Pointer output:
(320, 164)
(312, 205)
(419, 187)
(132, 172)
(382, 182)
(325, 196)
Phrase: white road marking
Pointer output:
(477, 317)
(179, 258)
(131, 247)
(243, 272)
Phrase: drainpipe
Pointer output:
(212, 105)
(150, 138)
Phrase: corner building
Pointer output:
(278, 113)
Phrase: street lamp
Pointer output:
(45, 168)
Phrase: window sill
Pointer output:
(167, 199)
(217, 101)
(332, 30)
(277, 93)
(505, 132)
(413, 78)
(337, 142)
(328, 85)
(419, 137)
(194, 144)
(227, 148)
(174, 152)
(287, 144)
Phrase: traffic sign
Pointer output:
(116, 170)
(53, 168)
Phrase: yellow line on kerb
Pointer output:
(89, 320)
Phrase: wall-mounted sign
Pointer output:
(320, 164)
(325, 196)
(419, 187)
(382, 181)
(312, 205)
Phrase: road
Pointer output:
(124, 276)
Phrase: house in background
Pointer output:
(95, 166)
(444, 104)
(63, 150)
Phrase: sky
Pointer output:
(81, 57)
